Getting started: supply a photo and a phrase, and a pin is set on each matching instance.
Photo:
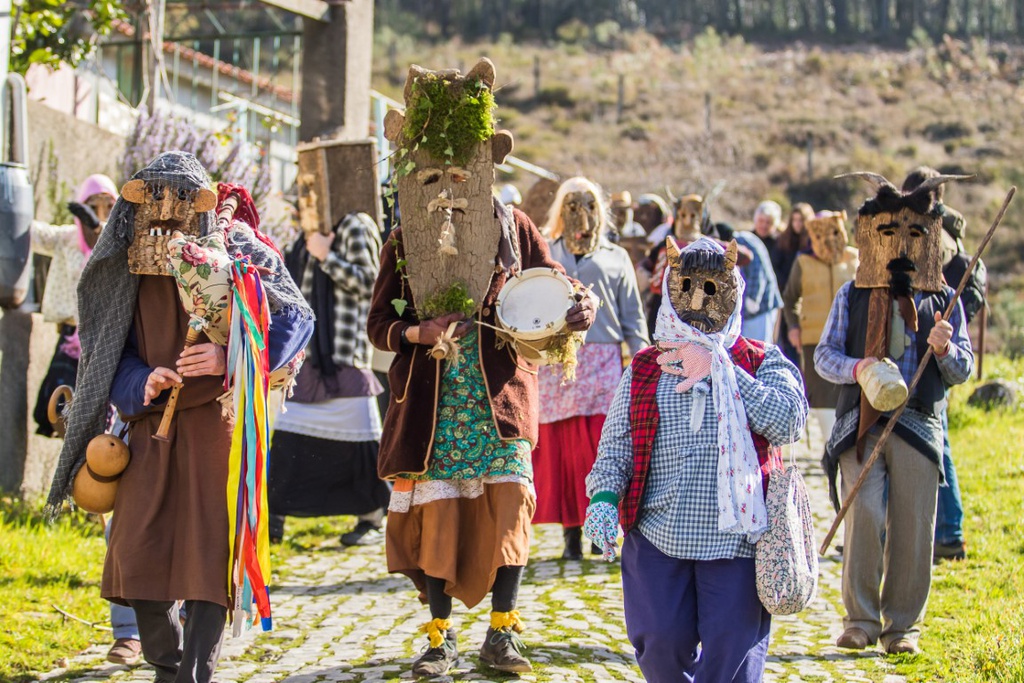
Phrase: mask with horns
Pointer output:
(702, 285)
(899, 236)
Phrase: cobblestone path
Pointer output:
(340, 617)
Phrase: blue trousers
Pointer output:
(949, 513)
(691, 620)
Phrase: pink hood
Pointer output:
(94, 184)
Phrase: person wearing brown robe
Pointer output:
(169, 534)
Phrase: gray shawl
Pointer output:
(107, 296)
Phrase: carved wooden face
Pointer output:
(687, 221)
(895, 245)
(163, 208)
(703, 286)
(581, 221)
(828, 236)
(309, 203)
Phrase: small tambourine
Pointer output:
(531, 310)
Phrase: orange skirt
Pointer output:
(463, 540)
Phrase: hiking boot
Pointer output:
(902, 646)
(949, 551)
(365, 533)
(854, 638)
(127, 651)
(437, 661)
(502, 651)
(573, 536)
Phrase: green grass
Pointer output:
(42, 565)
(974, 629)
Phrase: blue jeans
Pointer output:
(949, 515)
(122, 619)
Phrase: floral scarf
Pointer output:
(741, 508)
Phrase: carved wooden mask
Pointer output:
(702, 285)
(828, 235)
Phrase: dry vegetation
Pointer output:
(952, 105)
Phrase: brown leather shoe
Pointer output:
(853, 638)
(902, 646)
(127, 651)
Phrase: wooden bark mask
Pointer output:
(446, 151)
(578, 216)
(899, 236)
(689, 210)
(165, 202)
(828, 235)
(702, 285)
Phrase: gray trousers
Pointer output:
(889, 535)
(179, 655)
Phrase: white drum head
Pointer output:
(532, 305)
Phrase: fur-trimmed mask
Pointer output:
(899, 236)
(702, 285)
(829, 239)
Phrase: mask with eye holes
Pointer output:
(167, 195)
(899, 236)
(827, 231)
(702, 285)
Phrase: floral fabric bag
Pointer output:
(786, 559)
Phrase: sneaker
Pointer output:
(126, 651)
(437, 661)
(365, 533)
(502, 651)
(949, 551)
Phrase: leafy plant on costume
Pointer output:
(455, 299)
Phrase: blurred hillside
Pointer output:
(715, 108)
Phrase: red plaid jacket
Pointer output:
(643, 419)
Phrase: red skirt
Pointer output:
(565, 452)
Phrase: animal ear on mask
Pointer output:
(842, 215)
(134, 191)
(730, 256)
(672, 251)
(501, 146)
(205, 200)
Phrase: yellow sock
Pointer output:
(433, 629)
(507, 620)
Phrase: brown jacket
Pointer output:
(415, 378)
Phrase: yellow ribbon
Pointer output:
(433, 629)
(507, 620)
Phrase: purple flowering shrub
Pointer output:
(225, 158)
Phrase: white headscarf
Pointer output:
(741, 508)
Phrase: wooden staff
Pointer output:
(225, 214)
(891, 423)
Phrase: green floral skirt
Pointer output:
(466, 441)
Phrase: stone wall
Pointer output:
(63, 151)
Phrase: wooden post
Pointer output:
(810, 157)
(336, 65)
(707, 112)
(536, 76)
(15, 338)
(621, 103)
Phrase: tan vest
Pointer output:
(819, 283)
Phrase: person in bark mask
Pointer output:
(692, 434)
(169, 538)
(807, 300)
(889, 315)
(573, 412)
(460, 425)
